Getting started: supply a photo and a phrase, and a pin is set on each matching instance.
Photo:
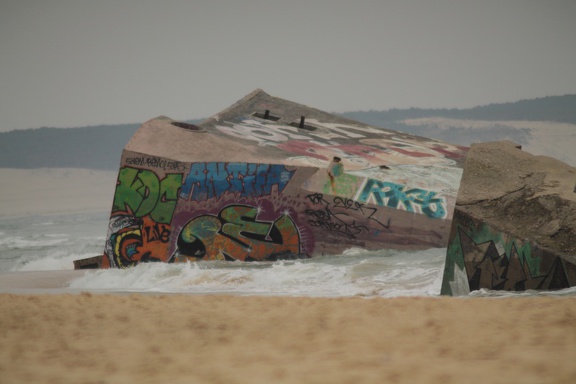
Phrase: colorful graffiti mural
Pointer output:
(214, 211)
(237, 233)
(140, 227)
(479, 256)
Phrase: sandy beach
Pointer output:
(88, 338)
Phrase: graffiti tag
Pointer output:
(340, 221)
(157, 232)
(156, 162)
(387, 194)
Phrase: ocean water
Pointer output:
(51, 243)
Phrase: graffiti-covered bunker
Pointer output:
(270, 179)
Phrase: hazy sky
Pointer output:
(67, 63)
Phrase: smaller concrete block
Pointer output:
(94, 262)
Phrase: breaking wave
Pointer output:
(355, 273)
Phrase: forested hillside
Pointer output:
(560, 109)
(96, 147)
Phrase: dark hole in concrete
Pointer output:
(190, 127)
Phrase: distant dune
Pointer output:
(546, 138)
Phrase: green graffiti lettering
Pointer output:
(143, 193)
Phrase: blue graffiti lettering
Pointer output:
(210, 180)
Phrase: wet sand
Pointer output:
(89, 338)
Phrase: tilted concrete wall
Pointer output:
(244, 185)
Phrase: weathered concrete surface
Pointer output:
(528, 195)
(514, 225)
